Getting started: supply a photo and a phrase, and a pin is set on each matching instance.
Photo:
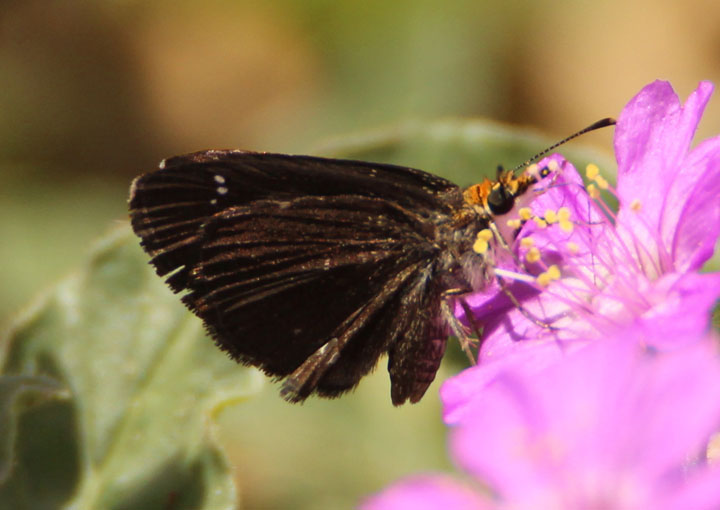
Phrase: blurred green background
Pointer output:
(93, 93)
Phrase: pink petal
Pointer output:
(437, 492)
(464, 392)
(652, 141)
(698, 224)
(608, 413)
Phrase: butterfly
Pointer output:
(313, 268)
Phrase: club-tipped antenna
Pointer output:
(609, 121)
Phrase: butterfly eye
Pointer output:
(500, 200)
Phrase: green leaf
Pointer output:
(19, 393)
(146, 385)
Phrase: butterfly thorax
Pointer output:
(477, 208)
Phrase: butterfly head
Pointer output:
(509, 192)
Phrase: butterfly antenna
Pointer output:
(609, 121)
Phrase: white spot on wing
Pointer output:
(222, 190)
(162, 164)
(220, 179)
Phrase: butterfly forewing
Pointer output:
(308, 268)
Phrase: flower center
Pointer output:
(579, 256)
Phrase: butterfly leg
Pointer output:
(457, 328)
(476, 328)
(527, 314)
(503, 243)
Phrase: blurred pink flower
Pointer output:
(613, 425)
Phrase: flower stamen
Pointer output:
(482, 241)
(547, 277)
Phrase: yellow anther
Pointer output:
(525, 213)
(554, 272)
(573, 248)
(527, 242)
(514, 224)
(636, 205)
(601, 182)
(480, 246)
(532, 170)
(593, 191)
(543, 279)
(564, 214)
(551, 216)
(546, 277)
(541, 223)
(485, 235)
(553, 165)
(592, 171)
(532, 255)
(713, 449)
(566, 226)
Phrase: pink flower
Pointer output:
(429, 493)
(609, 426)
(613, 405)
(637, 267)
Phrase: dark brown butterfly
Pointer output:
(312, 268)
